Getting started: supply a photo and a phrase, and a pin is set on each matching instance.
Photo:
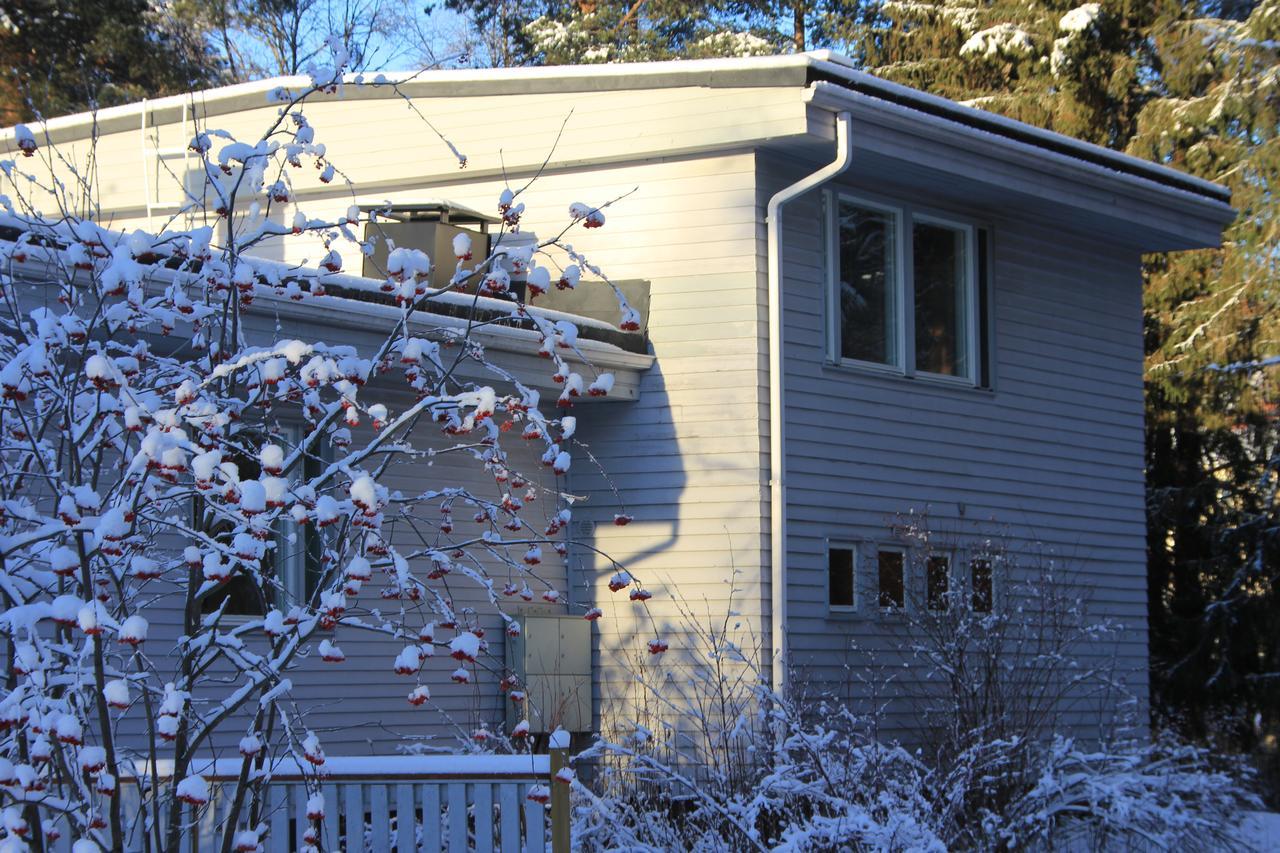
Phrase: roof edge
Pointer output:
(813, 66)
(838, 70)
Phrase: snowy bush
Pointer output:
(163, 456)
(716, 761)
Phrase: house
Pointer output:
(861, 301)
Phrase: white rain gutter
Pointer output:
(777, 459)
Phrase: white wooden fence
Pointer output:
(394, 803)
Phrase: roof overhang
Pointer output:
(992, 159)
(1146, 206)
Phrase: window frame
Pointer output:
(948, 594)
(978, 325)
(970, 284)
(855, 552)
(900, 279)
(971, 590)
(905, 569)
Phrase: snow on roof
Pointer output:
(746, 71)
(447, 304)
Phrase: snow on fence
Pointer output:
(397, 803)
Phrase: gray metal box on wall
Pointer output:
(552, 659)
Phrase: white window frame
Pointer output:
(834, 348)
(855, 552)
(904, 217)
(970, 284)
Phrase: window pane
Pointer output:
(867, 286)
(942, 299)
(982, 588)
(937, 582)
(840, 577)
(892, 588)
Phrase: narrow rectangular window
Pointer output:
(984, 308)
(943, 302)
(892, 582)
(937, 581)
(867, 286)
(840, 576)
(981, 585)
(302, 549)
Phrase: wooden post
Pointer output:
(559, 792)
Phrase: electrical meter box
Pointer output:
(552, 659)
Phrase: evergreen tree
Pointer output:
(558, 32)
(61, 56)
(1212, 427)
(1081, 70)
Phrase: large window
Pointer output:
(940, 260)
(868, 284)
(929, 328)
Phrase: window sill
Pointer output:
(890, 376)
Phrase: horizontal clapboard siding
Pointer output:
(686, 459)
(1053, 454)
(383, 146)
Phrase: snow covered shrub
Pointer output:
(993, 759)
(167, 458)
(716, 761)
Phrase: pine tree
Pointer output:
(61, 56)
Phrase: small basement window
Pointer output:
(892, 582)
(981, 585)
(937, 581)
(840, 574)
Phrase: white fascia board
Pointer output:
(575, 77)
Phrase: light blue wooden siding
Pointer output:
(1054, 453)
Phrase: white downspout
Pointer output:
(777, 460)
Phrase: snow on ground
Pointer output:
(1261, 831)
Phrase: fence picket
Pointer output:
(457, 817)
(277, 816)
(482, 797)
(353, 833)
(509, 803)
(405, 819)
(332, 806)
(535, 835)
(379, 819)
(430, 818)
